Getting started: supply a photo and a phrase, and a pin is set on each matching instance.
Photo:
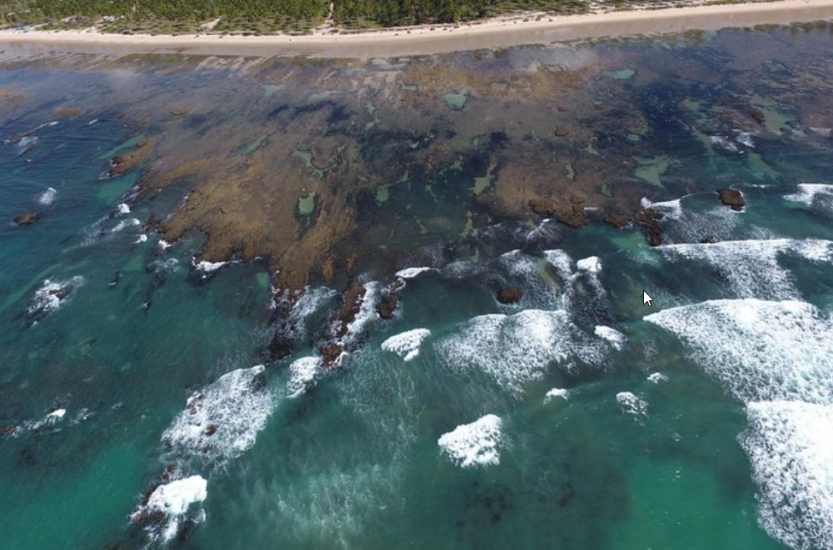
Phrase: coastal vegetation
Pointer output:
(256, 17)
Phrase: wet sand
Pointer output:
(499, 32)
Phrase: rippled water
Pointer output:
(140, 405)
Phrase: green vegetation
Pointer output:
(255, 17)
(168, 16)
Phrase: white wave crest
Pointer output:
(813, 193)
(556, 393)
(759, 350)
(48, 197)
(129, 222)
(751, 266)
(592, 264)
(406, 345)
(790, 447)
(173, 501)
(303, 373)
(631, 404)
(657, 377)
(411, 272)
(517, 349)
(222, 421)
(51, 295)
(475, 444)
(616, 338)
(209, 267)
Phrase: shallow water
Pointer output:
(699, 422)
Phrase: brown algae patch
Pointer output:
(278, 165)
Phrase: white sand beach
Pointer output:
(526, 29)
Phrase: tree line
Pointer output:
(384, 13)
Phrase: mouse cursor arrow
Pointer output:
(646, 300)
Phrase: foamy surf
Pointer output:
(50, 296)
(48, 197)
(811, 194)
(221, 421)
(758, 350)
(168, 505)
(616, 338)
(517, 349)
(790, 447)
(303, 374)
(475, 444)
(406, 345)
(411, 272)
(557, 393)
(751, 267)
(631, 404)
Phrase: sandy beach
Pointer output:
(524, 29)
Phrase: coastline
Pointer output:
(431, 39)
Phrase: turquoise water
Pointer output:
(702, 421)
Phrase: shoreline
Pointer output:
(432, 39)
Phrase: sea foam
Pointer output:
(616, 338)
(173, 501)
(557, 393)
(759, 350)
(475, 444)
(790, 447)
(517, 349)
(303, 374)
(406, 345)
(751, 267)
(50, 296)
(221, 421)
(813, 193)
(47, 197)
(631, 404)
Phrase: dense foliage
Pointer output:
(262, 15)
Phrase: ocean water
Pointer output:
(140, 405)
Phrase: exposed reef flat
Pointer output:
(328, 169)
(659, 17)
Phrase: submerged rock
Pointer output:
(330, 353)
(649, 219)
(27, 219)
(618, 220)
(732, 198)
(758, 115)
(571, 214)
(510, 295)
(387, 306)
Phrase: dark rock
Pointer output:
(169, 472)
(330, 353)
(732, 198)
(509, 295)
(282, 345)
(758, 115)
(649, 219)
(618, 220)
(153, 223)
(7, 430)
(60, 293)
(386, 307)
(27, 219)
(562, 132)
(542, 207)
(211, 430)
(571, 215)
